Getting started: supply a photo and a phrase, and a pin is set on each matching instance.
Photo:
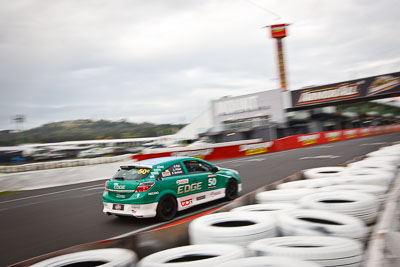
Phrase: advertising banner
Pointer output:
(371, 87)
(278, 30)
(286, 143)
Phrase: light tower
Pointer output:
(278, 32)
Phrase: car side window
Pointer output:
(174, 170)
(194, 166)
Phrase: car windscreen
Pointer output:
(131, 173)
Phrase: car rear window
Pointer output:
(132, 173)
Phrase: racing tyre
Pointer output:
(231, 189)
(372, 164)
(99, 257)
(319, 222)
(325, 250)
(239, 228)
(322, 172)
(310, 183)
(271, 207)
(269, 261)
(166, 208)
(372, 179)
(366, 171)
(193, 256)
(377, 190)
(283, 195)
(393, 160)
(361, 205)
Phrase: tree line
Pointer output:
(86, 130)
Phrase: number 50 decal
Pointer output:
(212, 182)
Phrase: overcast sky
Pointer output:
(162, 61)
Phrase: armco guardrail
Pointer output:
(228, 150)
(62, 164)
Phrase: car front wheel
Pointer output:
(231, 189)
(166, 208)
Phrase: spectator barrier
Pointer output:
(286, 143)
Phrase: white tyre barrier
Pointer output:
(361, 205)
(368, 179)
(377, 190)
(109, 257)
(393, 160)
(193, 256)
(282, 195)
(366, 171)
(237, 228)
(326, 250)
(390, 151)
(270, 207)
(269, 261)
(385, 152)
(323, 172)
(304, 222)
(310, 183)
(372, 164)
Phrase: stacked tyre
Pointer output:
(307, 222)
(194, 256)
(360, 205)
(269, 261)
(240, 228)
(324, 250)
(112, 257)
(273, 208)
(283, 195)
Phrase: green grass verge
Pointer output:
(9, 192)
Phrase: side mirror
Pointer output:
(214, 169)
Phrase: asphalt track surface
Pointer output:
(37, 222)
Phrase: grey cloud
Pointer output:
(160, 60)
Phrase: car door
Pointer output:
(200, 173)
(174, 178)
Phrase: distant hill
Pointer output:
(86, 130)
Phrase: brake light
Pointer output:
(144, 186)
(106, 186)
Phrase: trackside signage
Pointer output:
(254, 149)
(306, 140)
(341, 91)
(333, 136)
(388, 84)
(286, 143)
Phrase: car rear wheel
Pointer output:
(231, 189)
(166, 208)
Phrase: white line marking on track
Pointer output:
(321, 157)
(96, 188)
(48, 194)
(257, 159)
(373, 144)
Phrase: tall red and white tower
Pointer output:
(278, 32)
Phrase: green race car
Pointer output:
(160, 187)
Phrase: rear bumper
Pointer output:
(139, 211)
